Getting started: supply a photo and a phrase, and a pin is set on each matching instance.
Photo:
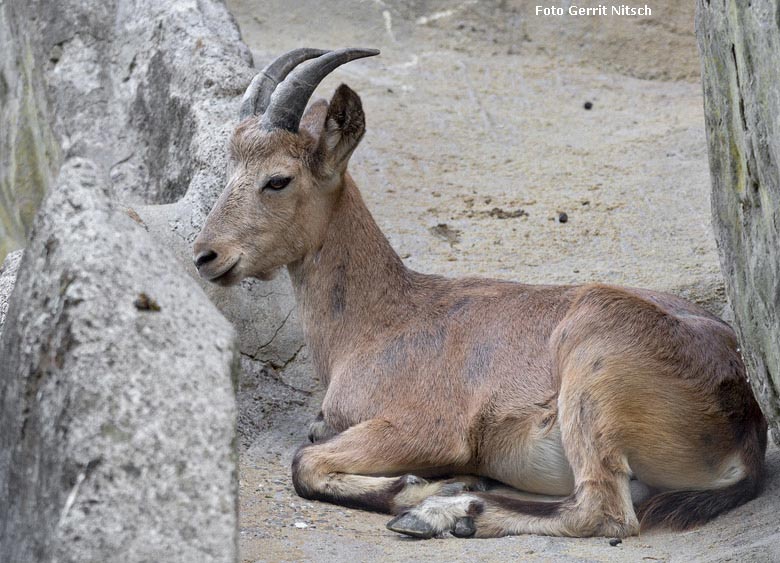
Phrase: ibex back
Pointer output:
(565, 391)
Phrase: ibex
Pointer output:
(570, 391)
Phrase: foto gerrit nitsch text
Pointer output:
(600, 10)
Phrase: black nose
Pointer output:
(204, 257)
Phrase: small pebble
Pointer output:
(588, 105)
(615, 541)
(305, 525)
(562, 217)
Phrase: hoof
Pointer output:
(452, 489)
(320, 431)
(410, 525)
(464, 527)
(414, 480)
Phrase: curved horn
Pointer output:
(258, 94)
(290, 98)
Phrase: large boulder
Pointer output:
(131, 85)
(739, 44)
(117, 404)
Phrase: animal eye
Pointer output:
(277, 183)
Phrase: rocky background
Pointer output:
(544, 150)
(739, 46)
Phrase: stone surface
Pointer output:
(263, 313)
(135, 83)
(29, 153)
(136, 87)
(117, 407)
(740, 47)
(7, 279)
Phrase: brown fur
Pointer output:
(562, 391)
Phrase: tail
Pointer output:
(682, 510)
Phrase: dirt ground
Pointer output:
(478, 143)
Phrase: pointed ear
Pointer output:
(345, 124)
(314, 119)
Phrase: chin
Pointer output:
(231, 277)
(266, 276)
(228, 280)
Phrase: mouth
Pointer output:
(266, 276)
(226, 276)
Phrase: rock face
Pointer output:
(29, 153)
(131, 84)
(740, 46)
(7, 279)
(140, 88)
(117, 410)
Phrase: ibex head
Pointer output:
(286, 169)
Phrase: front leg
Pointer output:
(320, 430)
(347, 469)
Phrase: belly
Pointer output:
(532, 461)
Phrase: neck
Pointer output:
(351, 286)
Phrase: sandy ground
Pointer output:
(478, 140)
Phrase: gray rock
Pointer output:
(140, 88)
(740, 47)
(29, 152)
(8, 272)
(136, 85)
(117, 409)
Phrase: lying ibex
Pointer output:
(567, 391)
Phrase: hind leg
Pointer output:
(348, 468)
(662, 392)
(600, 505)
